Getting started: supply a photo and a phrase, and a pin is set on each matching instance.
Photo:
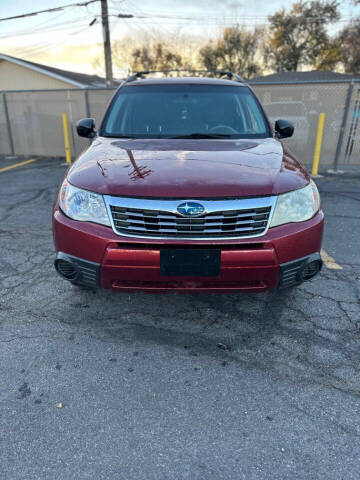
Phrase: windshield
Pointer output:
(203, 111)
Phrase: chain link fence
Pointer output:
(302, 105)
(30, 121)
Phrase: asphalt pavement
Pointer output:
(115, 386)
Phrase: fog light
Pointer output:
(65, 268)
(311, 269)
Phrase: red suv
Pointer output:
(187, 188)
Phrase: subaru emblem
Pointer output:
(191, 209)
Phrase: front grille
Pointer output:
(217, 224)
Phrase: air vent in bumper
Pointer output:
(297, 271)
(77, 270)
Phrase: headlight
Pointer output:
(82, 205)
(296, 206)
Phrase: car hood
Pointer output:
(182, 168)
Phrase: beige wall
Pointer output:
(16, 77)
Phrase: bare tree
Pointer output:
(349, 39)
(157, 57)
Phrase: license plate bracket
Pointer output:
(188, 262)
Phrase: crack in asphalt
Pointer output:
(308, 336)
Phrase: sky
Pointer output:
(64, 39)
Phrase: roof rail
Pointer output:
(222, 73)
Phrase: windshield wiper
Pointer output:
(204, 135)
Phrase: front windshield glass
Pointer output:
(185, 110)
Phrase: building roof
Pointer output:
(76, 79)
(312, 76)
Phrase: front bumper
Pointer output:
(103, 259)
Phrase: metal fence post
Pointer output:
(66, 138)
(87, 104)
(318, 142)
(343, 125)
(8, 125)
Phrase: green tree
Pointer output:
(349, 39)
(300, 38)
(236, 51)
(329, 57)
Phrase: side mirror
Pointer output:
(284, 128)
(86, 128)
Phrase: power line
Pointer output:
(56, 28)
(144, 14)
(205, 22)
(104, 21)
(38, 26)
(55, 9)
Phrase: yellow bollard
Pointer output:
(66, 138)
(319, 136)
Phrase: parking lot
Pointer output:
(97, 385)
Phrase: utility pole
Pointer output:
(107, 44)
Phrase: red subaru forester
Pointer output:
(187, 188)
